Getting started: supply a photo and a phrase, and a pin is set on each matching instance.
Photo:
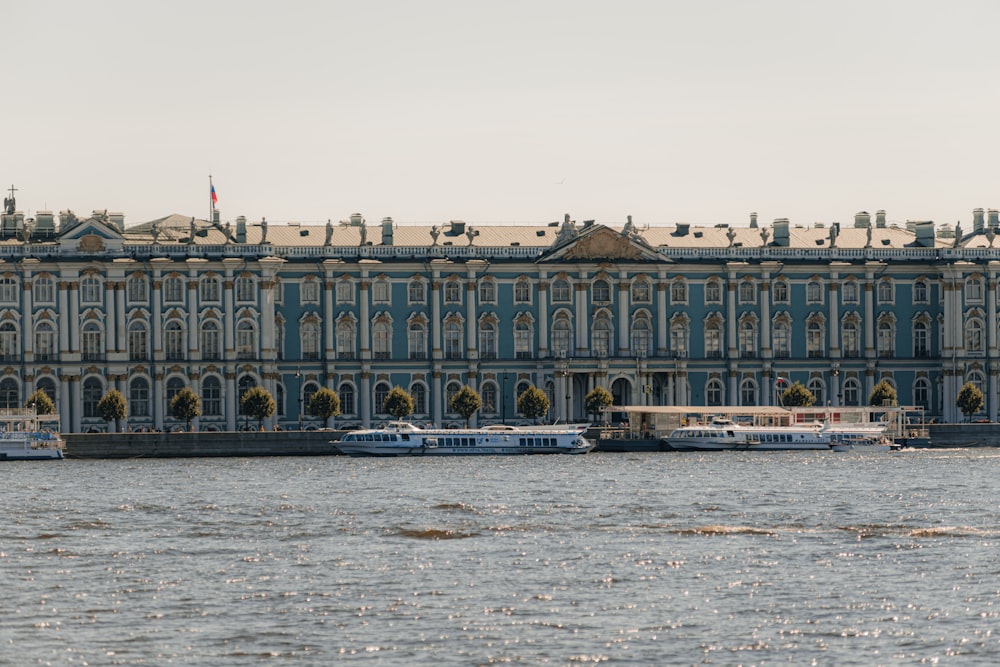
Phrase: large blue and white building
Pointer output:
(665, 315)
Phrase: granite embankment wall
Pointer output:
(965, 435)
(204, 443)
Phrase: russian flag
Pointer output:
(215, 197)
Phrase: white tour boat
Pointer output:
(722, 433)
(406, 439)
(25, 435)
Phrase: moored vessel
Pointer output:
(26, 435)
(406, 439)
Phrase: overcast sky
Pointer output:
(513, 111)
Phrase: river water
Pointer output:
(620, 559)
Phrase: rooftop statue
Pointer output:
(263, 231)
(567, 232)
(834, 231)
(731, 235)
(363, 228)
(435, 233)
(329, 233)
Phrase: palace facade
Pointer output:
(664, 315)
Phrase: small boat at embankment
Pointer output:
(406, 439)
(28, 436)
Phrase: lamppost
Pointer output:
(835, 374)
(503, 401)
(564, 374)
(298, 377)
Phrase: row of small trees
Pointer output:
(532, 403)
(970, 398)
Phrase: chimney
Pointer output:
(683, 228)
(753, 221)
(994, 222)
(862, 219)
(386, 231)
(880, 219)
(977, 220)
(457, 226)
(118, 220)
(780, 232)
(356, 219)
(241, 229)
(925, 233)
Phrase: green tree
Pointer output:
(258, 403)
(797, 396)
(970, 400)
(533, 403)
(398, 403)
(186, 406)
(324, 404)
(465, 402)
(596, 400)
(41, 402)
(112, 407)
(883, 394)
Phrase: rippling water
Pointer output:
(629, 559)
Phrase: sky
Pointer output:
(491, 112)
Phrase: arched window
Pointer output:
(487, 291)
(381, 339)
(173, 340)
(679, 336)
(246, 340)
(780, 291)
(748, 392)
(211, 340)
(346, 394)
(138, 341)
(92, 341)
(678, 292)
(419, 393)
(561, 291)
(885, 291)
(450, 390)
(748, 341)
(713, 339)
(818, 390)
(346, 334)
(640, 291)
(852, 392)
(974, 336)
(487, 340)
(522, 291)
(814, 292)
(211, 396)
(886, 339)
(523, 335)
(601, 291)
(310, 339)
(380, 291)
(308, 390)
(642, 337)
(209, 289)
(138, 398)
(345, 292)
(489, 396)
(562, 336)
(92, 390)
(9, 348)
(781, 339)
(9, 394)
(90, 290)
(45, 342)
(453, 292)
(173, 290)
(849, 291)
(43, 291)
(850, 340)
(920, 292)
(814, 339)
(417, 340)
(922, 393)
(713, 292)
(715, 392)
(748, 292)
(381, 392)
(921, 339)
(245, 289)
(415, 291)
(452, 340)
(137, 289)
(974, 290)
(601, 336)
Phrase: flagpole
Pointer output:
(211, 201)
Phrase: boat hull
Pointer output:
(404, 439)
(359, 450)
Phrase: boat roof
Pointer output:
(760, 410)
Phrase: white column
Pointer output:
(662, 330)
(74, 316)
(65, 324)
(120, 307)
(194, 353)
(110, 328)
(623, 319)
(28, 323)
(582, 317)
(543, 316)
